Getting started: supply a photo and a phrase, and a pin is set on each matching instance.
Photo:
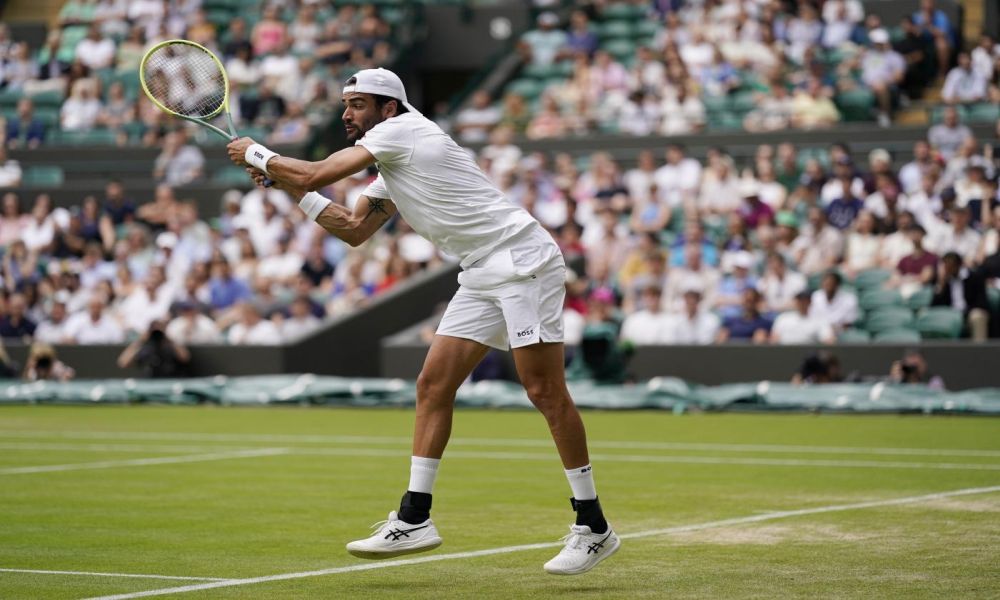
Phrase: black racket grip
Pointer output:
(268, 182)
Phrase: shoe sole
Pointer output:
(370, 555)
(607, 554)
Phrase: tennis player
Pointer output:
(510, 296)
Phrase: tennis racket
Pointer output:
(186, 80)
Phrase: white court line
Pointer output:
(520, 548)
(467, 454)
(542, 443)
(129, 575)
(71, 447)
(642, 458)
(142, 462)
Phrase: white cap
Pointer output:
(382, 82)
(879, 154)
(167, 239)
(749, 188)
(548, 18)
(879, 36)
(742, 260)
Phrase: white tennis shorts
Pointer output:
(513, 297)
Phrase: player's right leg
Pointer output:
(449, 361)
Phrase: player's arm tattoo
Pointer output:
(376, 206)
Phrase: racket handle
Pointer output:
(268, 183)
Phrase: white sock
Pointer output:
(423, 472)
(581, 481)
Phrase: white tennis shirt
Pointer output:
(439, 189)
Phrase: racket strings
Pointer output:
(186, 80)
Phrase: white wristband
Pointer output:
(313, 203)
(257, 156)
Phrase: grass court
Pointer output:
(206, 502)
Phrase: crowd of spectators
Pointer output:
(115, 269)
(772, 65)
(698, 251)
(285, 62)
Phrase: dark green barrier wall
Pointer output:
(962, 365)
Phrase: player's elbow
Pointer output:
(354, 236)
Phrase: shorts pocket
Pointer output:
(495, 270)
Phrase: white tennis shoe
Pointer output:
(583, 550)
(394, 537)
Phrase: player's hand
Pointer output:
(237, 150)
(259, 179)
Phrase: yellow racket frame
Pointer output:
(203, 120)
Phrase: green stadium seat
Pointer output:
(646, 28)
(43, 177)
(219, 17)
(888, 318)
(937, 113)
(982, 113)
(553, 81)
(393, 15)
(715, 104)
(49, 116)
(609, 126)
(854, 336)
(743, 102)
(49, 98)
(615, 29)
(221, 4)
(898, 336)
(920, 299)
(725, 121)
(855, 105)
(872, 279)
(94, 137)
(623, 50)
(622, 10)
(231, 176)
(541, 71)
(565, 68)
(870, 300)
(940, 322)
(134, 131)
(529, 89)
(9, 97)
(807, 154)
(814, 280)
(993, 295)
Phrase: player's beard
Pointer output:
(355, 130)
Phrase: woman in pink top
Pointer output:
(12, 219)
(269, 33)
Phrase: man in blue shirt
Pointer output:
(841, 212)
(750, 324)
(16, 325)
(25, 129)
(224, 289)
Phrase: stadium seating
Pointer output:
(939, 323)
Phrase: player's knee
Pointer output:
(432, 389)
(548, 397)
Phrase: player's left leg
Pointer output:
(591, 539)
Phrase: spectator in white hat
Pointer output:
(541, 46)
(882, 70)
